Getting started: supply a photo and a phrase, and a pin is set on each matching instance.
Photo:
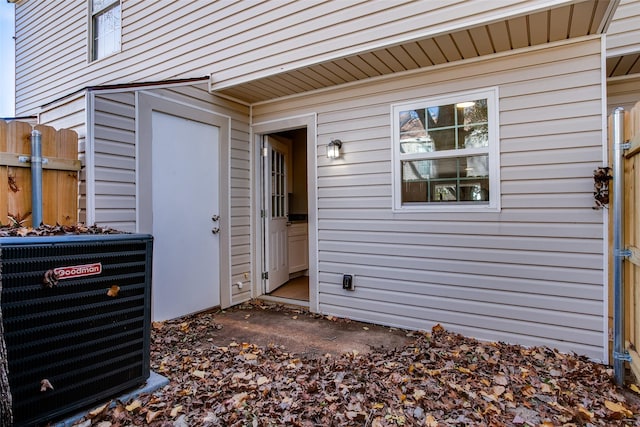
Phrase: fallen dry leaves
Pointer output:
(17, 230)
(440, 379)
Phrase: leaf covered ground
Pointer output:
(439, 379)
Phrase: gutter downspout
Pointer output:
(36, 178)
(620, 355)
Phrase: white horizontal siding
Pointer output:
(50, 37)
(623, 93)
(531, 273)
(70, 113)
(67, 114)
(623, 35)
(232, 40)
(471, 301)
(472, 242)
(581, 220)
(495, 329)
(114, 158)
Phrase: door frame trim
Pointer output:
(146, 102)
(258, 130)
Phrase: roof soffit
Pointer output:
(566, 22)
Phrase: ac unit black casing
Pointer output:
(87, 344)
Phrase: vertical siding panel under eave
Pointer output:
(240, 182)
(532, 273)
(115, 160)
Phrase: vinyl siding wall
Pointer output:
(623, 92)
(114, 159)
(530, 274)
(70, 113)
(231, 40)
(623, 35)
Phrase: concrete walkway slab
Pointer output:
(152, 384)
(301, 332)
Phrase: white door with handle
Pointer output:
(276, 191)
(185, 185)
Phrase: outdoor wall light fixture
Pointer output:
(465, 104)
(333, 149)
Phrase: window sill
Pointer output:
(104, 58)
(462, 208)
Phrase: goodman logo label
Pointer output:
(78, 271)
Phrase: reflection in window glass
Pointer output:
(458, 179)
(106, 28)
(446, 127)
(278, 191)
(444, 152)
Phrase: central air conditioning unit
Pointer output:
(77, 320)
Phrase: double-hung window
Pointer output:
(445, 153)
(105, 28)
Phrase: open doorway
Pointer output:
(285, 220)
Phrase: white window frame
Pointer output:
(93, 14)
(493, 151)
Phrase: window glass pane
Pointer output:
(433, 136)
(473, 112)
(412, 132)
(441, 116)
(278, 195)
(476, 166)
(476, 136)
(444, 139)
(106, 32)
(446, 127)
(456, 179)
(98, 5)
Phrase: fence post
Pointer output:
(619, 353)
(4, 175)
(36, 177)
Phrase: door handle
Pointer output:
(215, 230)
(215, 218)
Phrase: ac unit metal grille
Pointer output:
(87, 344)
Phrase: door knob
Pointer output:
(215, 230)
(215, 218)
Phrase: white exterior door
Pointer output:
(277, 211)
(186, 257)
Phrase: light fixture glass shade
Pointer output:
(333, 149)
(465, 104)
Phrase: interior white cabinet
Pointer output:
(298, 247)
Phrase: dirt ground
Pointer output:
(295, 331)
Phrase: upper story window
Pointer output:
(446, 155)
(105, 28)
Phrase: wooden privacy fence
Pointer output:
(632, 236)
(59, 174)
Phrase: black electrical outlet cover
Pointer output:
(347, 282)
